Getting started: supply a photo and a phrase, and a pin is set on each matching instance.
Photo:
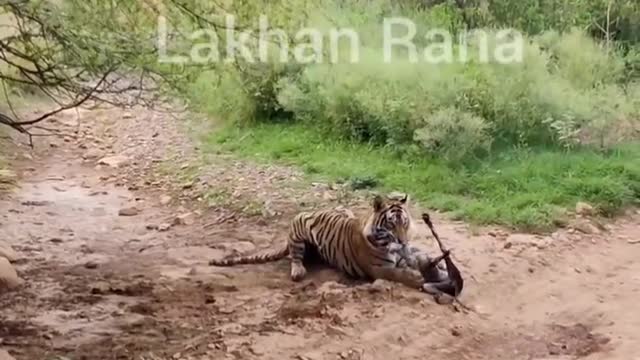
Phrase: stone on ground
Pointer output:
(8, 277)
(7, 252)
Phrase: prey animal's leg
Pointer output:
(406, 255)
(430, 269)
(442, 291)
(407, 274)
(437, 282)
(436, 288)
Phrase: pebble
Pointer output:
(7, 252)
(455, 331)
(114, 161)
(584, 209)
(4, 355)
(8, 277)
(165, 199)
(129, 211)
(184, 219)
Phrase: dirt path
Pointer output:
(115, 266)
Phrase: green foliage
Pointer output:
(526, 189)
(567, 90)
(512, 144)
(453, 133)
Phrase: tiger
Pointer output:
(372, 247)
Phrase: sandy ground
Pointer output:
(115, 266)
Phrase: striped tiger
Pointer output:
(367, 248)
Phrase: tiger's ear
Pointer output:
(378, 203)
(404, 199)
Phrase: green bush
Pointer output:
(453, 133)
(568, 90)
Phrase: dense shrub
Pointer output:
(569, 88)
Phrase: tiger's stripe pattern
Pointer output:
(362, 248)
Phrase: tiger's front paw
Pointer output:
(298, 271)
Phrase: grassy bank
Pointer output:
(516, 143)
(525, 189)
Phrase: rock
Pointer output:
(93, 154)
(455, 331)
(4, 355)
(114, 161)
(508, 245)
(129, 211)
(379, 286)
(7, 252)
(335, 330)
(8, 277)
(164, 227)
(558, 236)
(35, 203)
(544, 243)
(101, 287)
(184, 219)
(229, 328)
(56, 240)
(165, 199)
(633, 241)
(327, 196)
(584, 209)
(7, 176)
(91, 265)
(267, 210)
(331, 287)
(444, 299)
(585, 226)
(242, 247)
(500, 234)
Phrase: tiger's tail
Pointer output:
(252, 259)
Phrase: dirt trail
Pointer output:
(102, 284)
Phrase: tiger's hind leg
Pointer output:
(296, 252)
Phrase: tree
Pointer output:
(48, 47)
(81, 51)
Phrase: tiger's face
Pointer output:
(392, 213)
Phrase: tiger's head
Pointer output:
(391, 212)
